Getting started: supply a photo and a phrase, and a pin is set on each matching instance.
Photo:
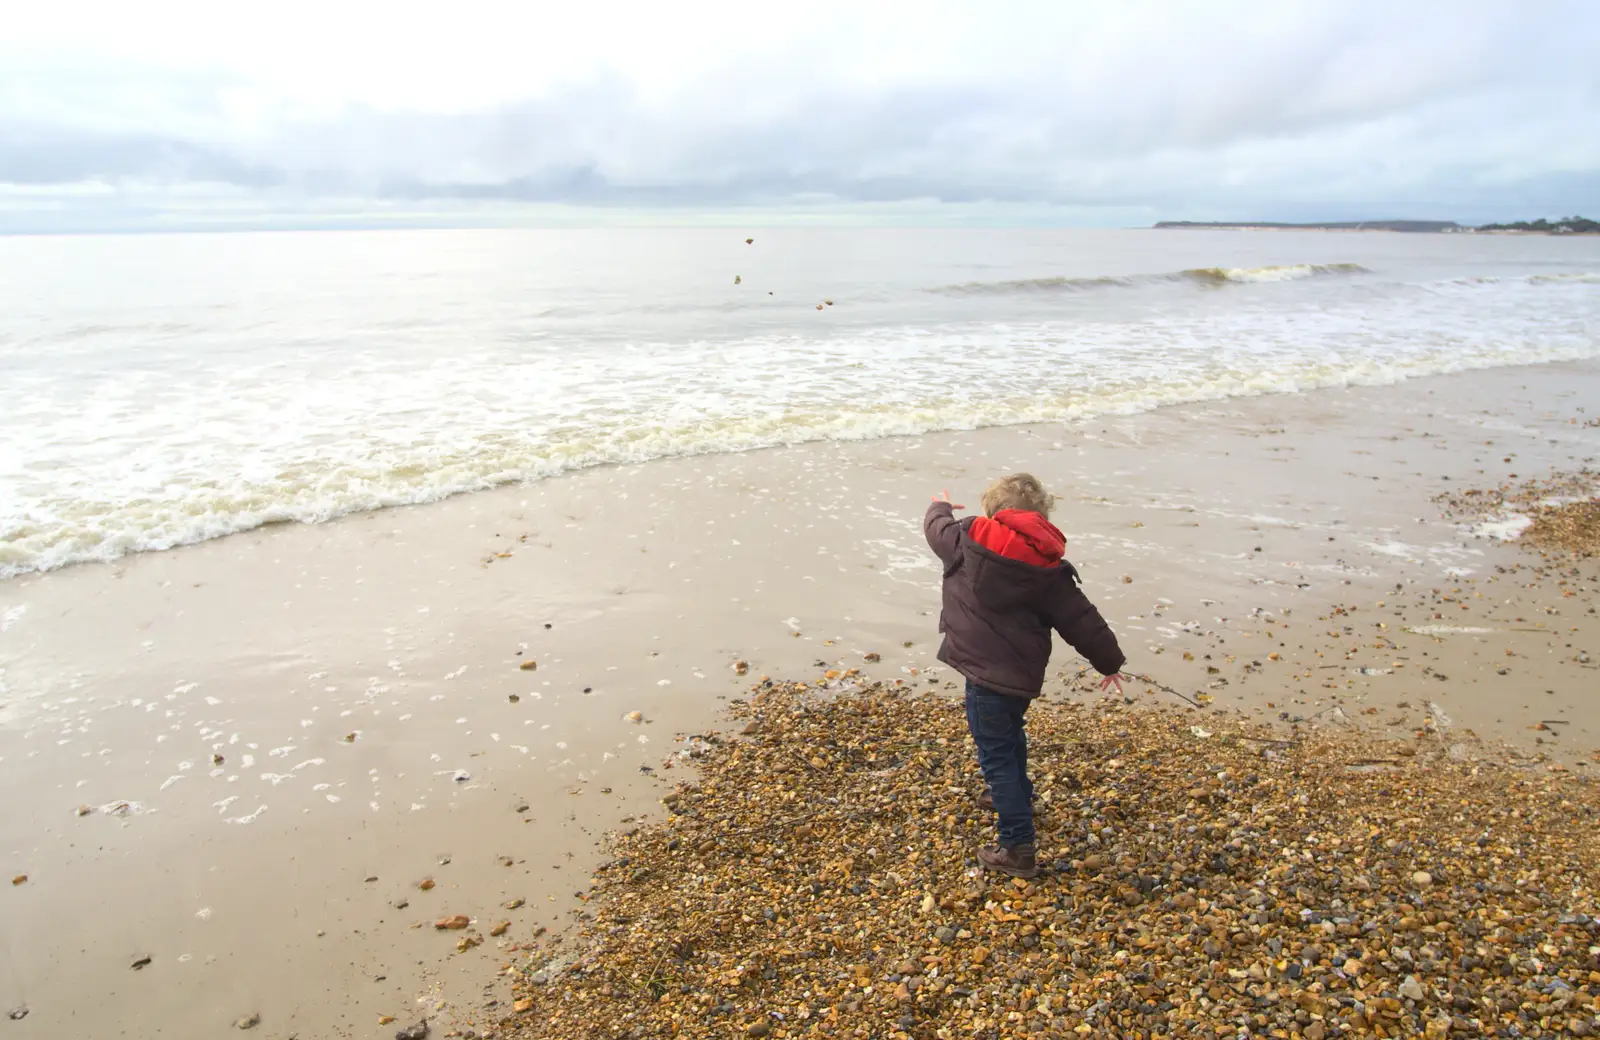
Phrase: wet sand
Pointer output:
(362, 681)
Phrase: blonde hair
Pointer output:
(1018, 491)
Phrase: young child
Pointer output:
(1006, 587)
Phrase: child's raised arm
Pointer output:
(942, 529)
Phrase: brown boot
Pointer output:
(1017, 860)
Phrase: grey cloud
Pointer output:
(49, 155)
(1354, 111)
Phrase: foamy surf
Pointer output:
(1205, 276)
(1279, 273)
(1563, 278)
(1502, 528)
(91, 530)
(172, 422)
(1572, 277)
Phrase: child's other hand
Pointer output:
(1112, 680)
(944, 496)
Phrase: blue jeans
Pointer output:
(995, 721)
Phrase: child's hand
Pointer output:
(1112, 680)
(944, 496)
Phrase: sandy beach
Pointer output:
(463, 476)
(248, 776)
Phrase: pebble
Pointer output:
(456, 923)
(416, 1032)
(1422, 879)
(1564, 510)
(249, 1021)
(141, 962)
(833, 891)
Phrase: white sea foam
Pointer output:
(166, 427)
(1505, 528)
(1573, 277)
(1195, 275)
(11, 615)
(1274, 273)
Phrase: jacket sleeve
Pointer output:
(1081, 625)
(943, 532)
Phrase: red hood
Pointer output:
(1020, 535)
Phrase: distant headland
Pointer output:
(1344, 225)
(1561, 226)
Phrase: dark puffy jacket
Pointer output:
(998, 612)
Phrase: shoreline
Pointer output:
(375, 497)
(406, 630)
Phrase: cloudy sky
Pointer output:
(185, 112)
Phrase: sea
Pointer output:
(160, 390)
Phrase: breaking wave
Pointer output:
(126, 428)
(82, 525)
(1283, 273)
(1580, 277)
(1565, 278)
(1214, 276)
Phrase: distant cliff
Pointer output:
(1350, 225)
